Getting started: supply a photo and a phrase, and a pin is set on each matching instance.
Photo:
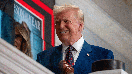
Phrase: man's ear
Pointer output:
(81, 26)
(55, 26)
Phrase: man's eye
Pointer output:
(65, 21)
(58, 22)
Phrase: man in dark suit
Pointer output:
(77, 53)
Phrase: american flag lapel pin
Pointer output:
(87, 54)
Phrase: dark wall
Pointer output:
(49, 3)
(7, 6)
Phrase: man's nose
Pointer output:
(62, 24)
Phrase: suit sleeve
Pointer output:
(104, 53)
(110, 55)
(43, 59)
(38, 58)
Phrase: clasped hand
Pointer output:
(66, 68)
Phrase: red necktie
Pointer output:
(69, 56)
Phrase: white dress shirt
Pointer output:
(77, 45)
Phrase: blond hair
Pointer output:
(59, 9)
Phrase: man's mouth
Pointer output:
(63, 32)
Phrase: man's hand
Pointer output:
(66, 68)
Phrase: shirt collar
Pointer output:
(77, 45)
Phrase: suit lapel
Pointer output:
(84, 59)
(85, 51)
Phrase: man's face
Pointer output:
(18, 39)
(68, 28)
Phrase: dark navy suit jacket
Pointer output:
(51, 57)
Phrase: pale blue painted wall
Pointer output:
(7, 28)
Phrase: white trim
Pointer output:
(116, 71)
